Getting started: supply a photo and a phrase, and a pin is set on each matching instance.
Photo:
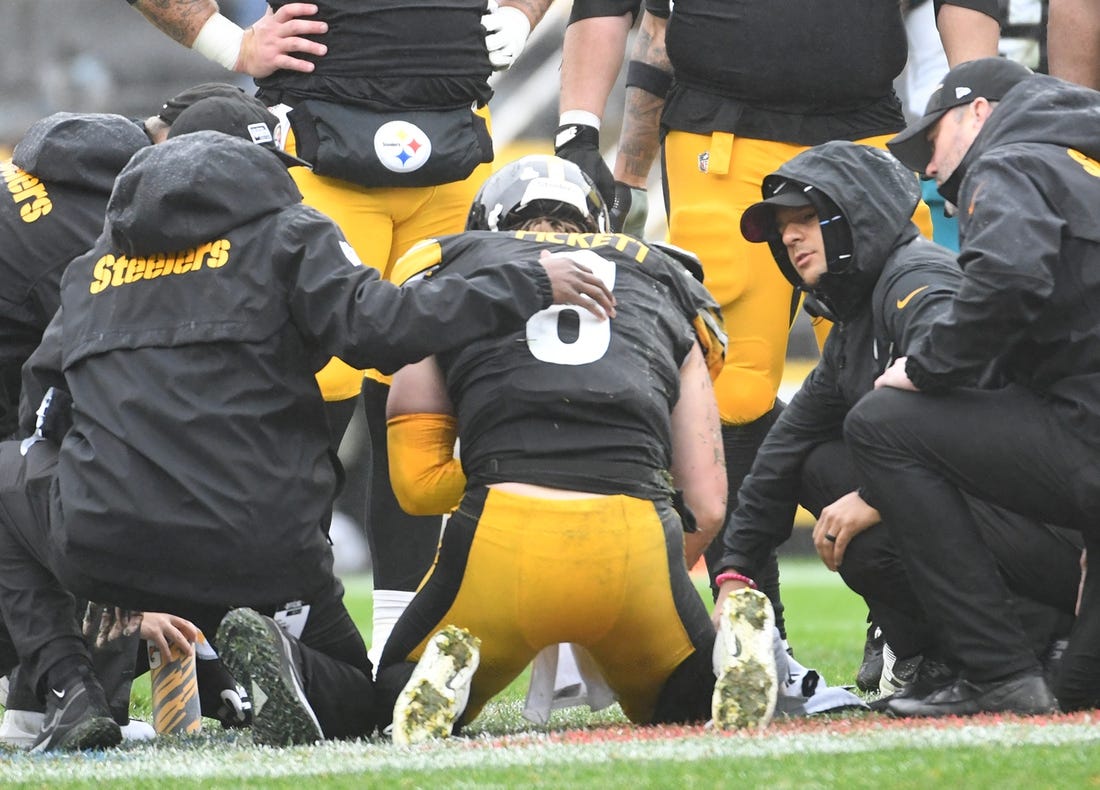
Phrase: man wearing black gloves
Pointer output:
(198, 449)
(837, 219)
(1017, 153)
(591, 58)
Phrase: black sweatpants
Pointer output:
(918, 453)
(41, 615)
(1040, 563)
(402, 547)
(740, 444)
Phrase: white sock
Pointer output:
(388, 606)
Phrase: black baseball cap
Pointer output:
(185, 98)
(241, 116)
(990, 78)
(758, 221)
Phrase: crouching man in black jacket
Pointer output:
(1016, 152)
(837, 218)
(196, 477)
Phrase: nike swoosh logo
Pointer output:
(905, 301)
(59, 694)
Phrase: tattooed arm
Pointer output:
(534, 10)
(639, 139)
(180, 19)
(266, 46)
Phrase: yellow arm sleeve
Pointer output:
(426, 477)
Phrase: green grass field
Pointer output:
(501, 749)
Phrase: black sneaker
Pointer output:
(932, 675)
(1052, 661)
(897, 673)
(77, 717)
(1026, 695)
(258, 653)
(867, 678)
(221, 696)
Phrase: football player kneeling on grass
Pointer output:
(577, 437)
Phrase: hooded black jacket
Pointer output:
(1029, 233)
(58, 181)
(198, 464)
(909, 282)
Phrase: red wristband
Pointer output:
(730, 576)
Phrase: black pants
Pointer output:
(41, 615)
(402, 547)
(918, 453)
(1038, 562)
(740, 444)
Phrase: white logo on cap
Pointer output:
(260, 133)
(960, 92)
(402, 146)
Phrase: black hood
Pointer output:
(194, 188)
(85, 150)
(876, 196)
(1040, 109)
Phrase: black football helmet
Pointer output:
(538, 185)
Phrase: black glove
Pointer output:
(687, 518)
(580, 144)
(102, 623)
(629, 210)
(55, 415)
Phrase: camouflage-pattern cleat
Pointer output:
(259, 654)
(437, 693)
(744, 664)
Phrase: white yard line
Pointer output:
(336, 758)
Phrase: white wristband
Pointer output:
(220, 41)
(581, 117)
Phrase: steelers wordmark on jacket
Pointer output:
(25, 187)
(111, 271)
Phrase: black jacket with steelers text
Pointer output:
(1028, 191)
(198, 463)
(58, 180)
(909, 283)
(568, 401)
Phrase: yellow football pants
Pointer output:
(705, 211)
(381, 224)
(522, 573)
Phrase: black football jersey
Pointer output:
(571, 401)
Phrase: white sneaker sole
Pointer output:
(746, 687)
(439, 688)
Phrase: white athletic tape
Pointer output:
(581, 117)
(220, 41)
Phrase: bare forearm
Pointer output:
(1073, 41)
(180, 19)
(534, 9)
(967, 34)
(639, 140)
(592, 55)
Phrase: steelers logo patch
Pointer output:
(402, 147)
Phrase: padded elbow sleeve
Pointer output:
(426, 477)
